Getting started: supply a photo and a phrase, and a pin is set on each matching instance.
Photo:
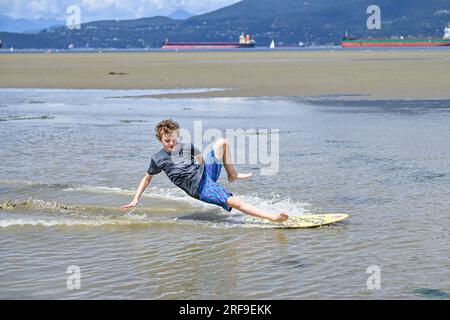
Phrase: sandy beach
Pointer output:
(362, 74)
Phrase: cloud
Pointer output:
(96, 5)
(42, 8)
(105, 9)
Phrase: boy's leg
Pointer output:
(240, 205)
(222, 151)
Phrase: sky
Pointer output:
(105, 9)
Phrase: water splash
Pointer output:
(172, 205)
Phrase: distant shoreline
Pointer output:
(365, 74)
(240, 50)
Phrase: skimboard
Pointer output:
(313, 220)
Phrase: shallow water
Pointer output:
(70, 158)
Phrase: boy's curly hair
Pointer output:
(167, 126)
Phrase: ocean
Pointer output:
(70, 158)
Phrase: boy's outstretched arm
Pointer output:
(142, 186)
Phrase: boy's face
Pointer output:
(170, 141)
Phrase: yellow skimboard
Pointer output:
(313, 220)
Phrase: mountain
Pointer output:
(180, 14)
(8, 24)
(320, 22)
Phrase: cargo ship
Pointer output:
(244, 42)
(349, 42)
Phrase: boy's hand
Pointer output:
(132, 204)
(280, 217)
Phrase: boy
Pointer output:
(199, 180)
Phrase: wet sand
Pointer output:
(349, 74)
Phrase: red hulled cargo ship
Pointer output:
(244, 42)
(348, 42)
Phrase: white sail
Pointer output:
(447, 32)
(272, 45)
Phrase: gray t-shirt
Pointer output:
(180, 166)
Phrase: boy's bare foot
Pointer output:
(280, 217)
(239, 176)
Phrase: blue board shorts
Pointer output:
(209, 190)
